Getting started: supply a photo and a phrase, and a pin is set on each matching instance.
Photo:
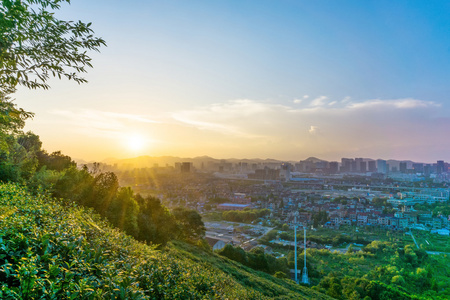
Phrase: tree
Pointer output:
(156, 224)
(123, 211)
(12, 118)
(18, 156)
(35, 45)
(190, 223)
(55, 161)
(105, 189)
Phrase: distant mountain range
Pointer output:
(150, 161)
(162, 161)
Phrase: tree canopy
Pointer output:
(35, 45)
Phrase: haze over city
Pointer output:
(278, 79)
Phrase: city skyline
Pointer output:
(342, 165)
(285, 80)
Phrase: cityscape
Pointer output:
(378, 194)
(248, 150)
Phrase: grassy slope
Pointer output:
(267, 285)
(54, 250)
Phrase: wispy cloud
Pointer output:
(313, 130)
(346, 99)
(319, 101)
(233, 117)
(395, 103)
(343, 127)
(95, 122)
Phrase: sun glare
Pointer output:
(136, 142)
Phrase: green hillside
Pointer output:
(54, 249)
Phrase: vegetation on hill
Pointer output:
(54, 249)
(265, 284)
(146, 219)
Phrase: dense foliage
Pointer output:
(382, 270)
(143, 218)
(257, 259)
(53, 249)
(35, 45)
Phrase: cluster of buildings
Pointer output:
(285, 190)
(400, 220)
(361, 212)
(429, 196)
(239, 201)
(363, 166)
(287, 171)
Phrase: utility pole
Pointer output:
(295, 247)
(305, 279)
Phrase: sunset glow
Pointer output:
(279, 79)
(136, 142)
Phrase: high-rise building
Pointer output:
(440, 167)
(427, 170)
(363, 167)
(334, 167)
(346, 165)
(186, 167)
(418, 167)
(323, 164)
(381, 166)
(358, 162)
(372, 165)
(307, 166)
(285, 172)
(403, 167)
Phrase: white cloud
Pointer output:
(313, 130)
(305, 96)
(406, 103)
(346, 99)
(298, 101)
(319, 101)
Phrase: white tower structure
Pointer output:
(305, 279)
(295, 247)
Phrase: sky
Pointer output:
(255, 79)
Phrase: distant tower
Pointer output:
(285, 172)
(305, 279)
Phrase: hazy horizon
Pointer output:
(112, 159)
(285, 79)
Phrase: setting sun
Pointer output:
(136, 142)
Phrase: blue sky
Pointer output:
(280, 79)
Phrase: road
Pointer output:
(219, 230)
(437, 253)
(414, 239)
(342, 250)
